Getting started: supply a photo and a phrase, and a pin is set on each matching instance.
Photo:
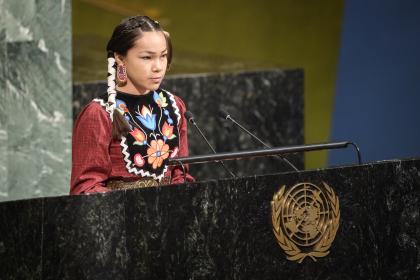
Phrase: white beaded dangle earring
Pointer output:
(111, 86)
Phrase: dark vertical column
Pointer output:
(21, 239)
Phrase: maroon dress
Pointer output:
(97, 158)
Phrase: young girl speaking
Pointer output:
(125, 140)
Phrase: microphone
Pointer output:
(190, 118)
(225, 115)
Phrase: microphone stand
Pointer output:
(191, 120)
(259, 140)
(259, 153)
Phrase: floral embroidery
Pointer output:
(138, 160)
(160, 99)
(147, 118)
(121, 107)
(139, 136)
(157, 152)
(166, 112)
(167, 131)
(153, 135)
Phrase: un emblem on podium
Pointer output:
(305, 220)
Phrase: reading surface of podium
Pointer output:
(221, 229)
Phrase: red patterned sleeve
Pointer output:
(176, 172)
(91, 162)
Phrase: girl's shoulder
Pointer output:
(95, 111)
(179, 102)
(96, 106)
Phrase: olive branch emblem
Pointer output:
(318, 208)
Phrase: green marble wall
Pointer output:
(35, 90)
(3, 133)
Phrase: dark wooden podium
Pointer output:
(216, 230)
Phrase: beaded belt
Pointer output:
(145, 182)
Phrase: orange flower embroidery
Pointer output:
(168, 131)
(157, 152)
(138, 135)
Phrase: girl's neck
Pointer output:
(131, 89)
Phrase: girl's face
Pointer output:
(146, 63)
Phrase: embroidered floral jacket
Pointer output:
(97, 158)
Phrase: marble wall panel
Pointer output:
(36, 112)
(268, 103)
(3, 115)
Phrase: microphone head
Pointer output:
(189, 116)
(223, 114)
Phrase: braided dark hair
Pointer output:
(123, 38)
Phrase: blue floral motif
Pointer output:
(147, 118)
(121, 106)
(155, 96)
